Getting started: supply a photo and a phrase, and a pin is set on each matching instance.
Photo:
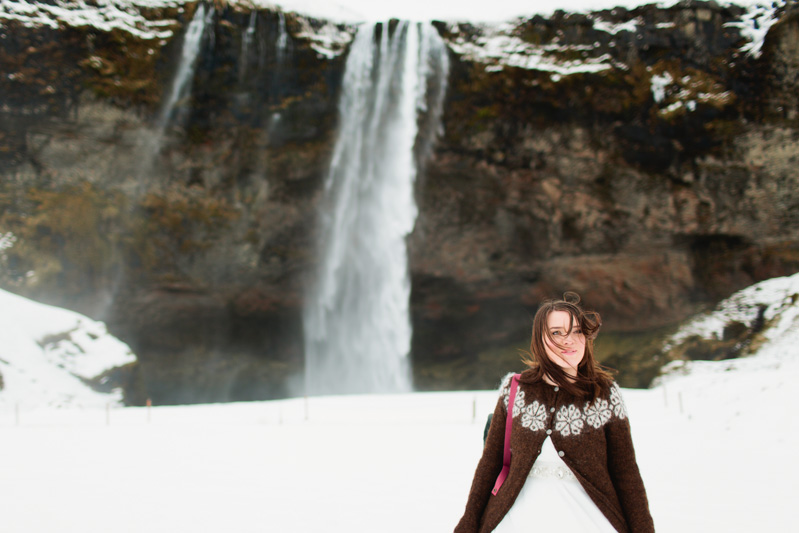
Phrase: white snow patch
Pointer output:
(329, 41)
(755, 25)
(659, 83)
(104, 15)
(497, 48)
(609, 27)
(45, 351)
(776, 297)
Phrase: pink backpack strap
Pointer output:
(514, 386)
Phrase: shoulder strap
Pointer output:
(514, 385)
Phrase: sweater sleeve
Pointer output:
(624, 472)
(485, 476)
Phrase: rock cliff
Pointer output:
(645, 158)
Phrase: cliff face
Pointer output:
(645, 159)
(649, 170)
(190, 236)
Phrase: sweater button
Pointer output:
(549, 432)
(561, 454)
(557, 389)
(551, 409)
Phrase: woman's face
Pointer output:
(570, 348)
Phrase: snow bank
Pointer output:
(46, 352)
(774, 302)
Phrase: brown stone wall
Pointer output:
(541, 183)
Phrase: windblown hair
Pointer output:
(592, 380)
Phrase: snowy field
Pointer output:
(716, 454)
(46, 353)
(715, 443)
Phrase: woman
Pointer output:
(572, 462)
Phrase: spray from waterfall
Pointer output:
(357, 322)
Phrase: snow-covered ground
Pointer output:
(715, 443)
(45, 352)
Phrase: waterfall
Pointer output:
(246, 43)
(181, 84)
(282, 38)
(281, 50)
(357, 326)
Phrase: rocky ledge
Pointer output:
(644, 158)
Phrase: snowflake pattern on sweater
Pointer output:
(570, 420)
(534, 416)
(598, 413)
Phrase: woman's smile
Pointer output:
(565, 344)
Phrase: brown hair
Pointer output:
(592, 379)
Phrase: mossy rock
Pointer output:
(67, 237)
(177, 222)
(634, 357)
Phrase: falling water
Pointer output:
(281, 47)
(181, 84)
(357, 323)
(246, 43)
(282, 38)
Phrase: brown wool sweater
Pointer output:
(593, 439)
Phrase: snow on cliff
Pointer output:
(774, 301)
(46, 353)
(459, 11)
(499, 45)
(496, 46)
(105, 15)
(126, 14)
